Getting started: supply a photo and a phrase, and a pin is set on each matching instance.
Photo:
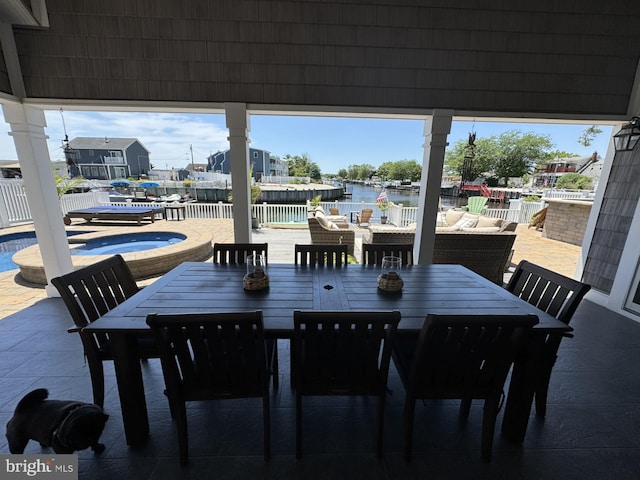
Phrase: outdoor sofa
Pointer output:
(485, 245)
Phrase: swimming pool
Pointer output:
(131, 242)
(14, 242)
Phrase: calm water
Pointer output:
(361, 193)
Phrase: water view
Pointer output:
(367, 194)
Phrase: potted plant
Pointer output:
(315, 202)
(382, 202)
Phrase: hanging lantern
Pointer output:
(628, 136)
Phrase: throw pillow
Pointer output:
(322, 220)
(488, 222)
(467, 221)
(452, 216)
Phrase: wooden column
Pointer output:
(238, 125)
(27, 129)
(436, 130)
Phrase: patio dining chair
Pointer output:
(237, 253)
(556, 295)
(461, 357)
(212, 356)
(342, 353)
(372, 253)
(321, 255)
(364, 217)
(89, 293)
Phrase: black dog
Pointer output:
(64, 425)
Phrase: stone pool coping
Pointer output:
(197, 246)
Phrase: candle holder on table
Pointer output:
(389, 280)
(256, 277)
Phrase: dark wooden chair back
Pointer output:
(549, 291)
(556, 295)
(334, 211)
(321, 255)
(212, 356)
(89, 293)
(342, 353)
(92, 291)
(460, 357)
(237, 253)
(372, 253)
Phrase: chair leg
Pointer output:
(465, 406)
(96, 371)
(409, 410)
(489, 416)
(298, 425)
(380, 424)
(180, 409)
(274, 366)
(266, 425)
(542, 385)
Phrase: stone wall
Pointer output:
(566, 220)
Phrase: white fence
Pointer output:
(519, 211)
(14, 208)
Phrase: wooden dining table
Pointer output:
(196, 287)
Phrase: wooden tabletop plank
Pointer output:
(205, 287)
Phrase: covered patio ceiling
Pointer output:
(571, 61)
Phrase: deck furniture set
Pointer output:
(195, 288)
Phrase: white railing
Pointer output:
(519, 211)
(14, 208)
(569, 194)
(76, 201)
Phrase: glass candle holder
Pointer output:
(256, 266)
(389, 280)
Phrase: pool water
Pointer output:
(131, 242)
(14, 242)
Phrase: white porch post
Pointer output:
(238, 125)
(436, 130)
(27, 129)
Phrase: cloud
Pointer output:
(169, 137)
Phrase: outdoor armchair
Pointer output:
(364, 217)
(89, 293)
(461, 357)
(556, 295)
(213, 356)
(342, 353)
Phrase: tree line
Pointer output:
(497, 158)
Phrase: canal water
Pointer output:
(362, 193)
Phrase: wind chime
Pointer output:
(467, 162)
(70, 154)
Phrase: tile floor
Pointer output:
(592, 428)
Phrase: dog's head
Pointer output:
(82, 428)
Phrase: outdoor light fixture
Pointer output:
(628, 136)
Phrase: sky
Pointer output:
(331, 142)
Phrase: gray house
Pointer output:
(106, 158)
(263, 163)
